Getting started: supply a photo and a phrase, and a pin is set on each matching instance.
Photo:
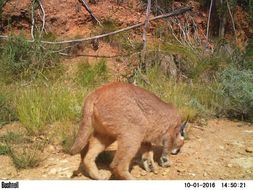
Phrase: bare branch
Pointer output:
(144, 37)
(33, 21)
(90, 11)
(232, 19)
(100, 56)
(43, 16)
(208, 22)
(4, 36)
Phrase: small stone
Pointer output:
(51, 148)
(193, 174)
(248, 171)
(138, 176)
(53, 171)
(64, 161)
(164, 173)
(155, 172)
(143, 173)
(249, 149)
(205, 174)
(180, 170)
(230, 165)
(221, 147)
(202, 122)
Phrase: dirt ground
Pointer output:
(219, 149)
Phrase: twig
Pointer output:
(232, 19)
(144, 36)
(33, 21)
(90, 11)
(100, 56)
(208, 22)
(200, 128)
(173, 33)
(43, 17)
(4, 36)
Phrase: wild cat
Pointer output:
(133, 117)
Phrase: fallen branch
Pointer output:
(98, 56)
(4, 36)
(197, 127)
(86, 6)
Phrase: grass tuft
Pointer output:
(26, 157)
(4, 150)
(39, 106)
(192, 100)
(7, 111)
(92, 75)
(21, 60)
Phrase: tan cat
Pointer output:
(132, 116)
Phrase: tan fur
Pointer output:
(132, 116)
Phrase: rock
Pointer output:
(164, 173)
(138, 176)
(205, 174)
(192, 174)
(64, 161)
(143, 173)
(51, 148)
(180, 169)
(168, 66)
(248, 171)
(230, 165)
(221, 147)
(202, 122)
(52, 171)
(249, 149)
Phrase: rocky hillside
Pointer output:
(69, 19)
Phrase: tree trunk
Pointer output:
(223, 20)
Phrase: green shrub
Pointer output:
(108, 26)
(21, 59)
(68, 136)
(92, 75)
(4, 150)
(26, 157)
(13, 138)
(237, 90)
(2, 2)
(22, 149)
(248, 61)
(192, 100)
(7, 111)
